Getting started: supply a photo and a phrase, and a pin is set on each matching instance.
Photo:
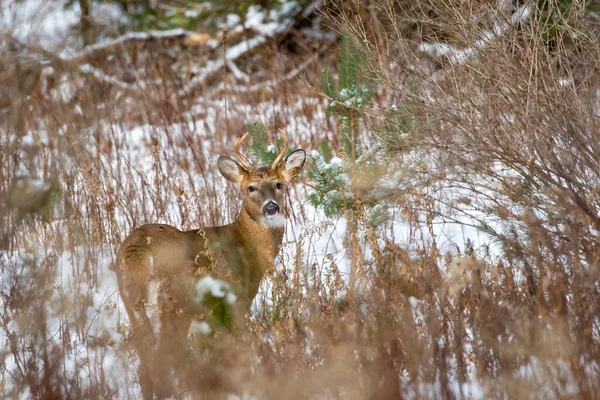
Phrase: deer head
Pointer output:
(263, 187)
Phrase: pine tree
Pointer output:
(338, 181)
(261, 150)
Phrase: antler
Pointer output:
(285, 146)
(243, 160)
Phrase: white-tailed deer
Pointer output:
(159, 266)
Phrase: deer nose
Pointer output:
(270, 208)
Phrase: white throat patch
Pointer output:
(274, 221)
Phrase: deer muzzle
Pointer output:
(270, 209)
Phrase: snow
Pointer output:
(152, 305)
(255, 19)
(200, 327)
(103, 315)
(44, 21)
(49, 23)
(216, 288)
(272, 23)
(336, 161)
(231, 21)
(32, 186)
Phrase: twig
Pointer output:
(100, 76)
(238, 73)
(290, 75)
(461, 56)
(103, 49)
(212, 67)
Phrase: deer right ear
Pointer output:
(231, 170)
(292, 164)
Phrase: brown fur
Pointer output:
(240, 253)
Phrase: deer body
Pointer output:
(160, 266)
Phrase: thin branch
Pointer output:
(109, 47)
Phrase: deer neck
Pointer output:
(264, 242)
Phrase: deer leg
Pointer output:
(142, 335)
(145, 374)
(145, 345)
(172, 349)
(144, 341)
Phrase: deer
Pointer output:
(160, 268)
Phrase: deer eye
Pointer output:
(251, 189)
(278, 185)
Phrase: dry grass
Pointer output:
(503, 128)
(505, 138)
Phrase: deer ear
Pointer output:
(292, 164)
(231, 170)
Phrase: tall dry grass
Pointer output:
(499, 109)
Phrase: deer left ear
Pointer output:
(292, 164)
